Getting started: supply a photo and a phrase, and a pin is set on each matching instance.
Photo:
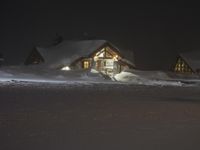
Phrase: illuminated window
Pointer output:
(179, 69)
(107, 53)
(182, 66)
(101, 53)
(35, 62)
(86, 64)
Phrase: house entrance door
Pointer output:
(98, 65)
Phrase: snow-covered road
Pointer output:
(81, 110)
(100, 116)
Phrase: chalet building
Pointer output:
(188, 62)
(100, 55)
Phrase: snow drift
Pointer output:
(41, 74)
(129, 76)
(145, 78)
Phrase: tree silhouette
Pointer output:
(58, 39)
(1, 58)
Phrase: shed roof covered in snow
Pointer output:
(68, 51)
(192, 59)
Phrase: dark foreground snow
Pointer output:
(59, 116)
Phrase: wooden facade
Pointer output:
(106, 60)
(188, 62)
(34, 58)
(182, 66)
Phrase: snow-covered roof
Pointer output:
(192, 58)
(68, 51)
(127, 62)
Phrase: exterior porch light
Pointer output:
(116, 57)
(95, 58)
(66, 68)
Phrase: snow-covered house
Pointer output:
(188, 62)
(100, 55)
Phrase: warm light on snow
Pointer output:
(23, 75)
(66, 68)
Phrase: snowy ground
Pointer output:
(41, 74)
(90, 112)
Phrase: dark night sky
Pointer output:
(156, 32)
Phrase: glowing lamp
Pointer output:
(95, 58)
(115, 57)
(66, 68)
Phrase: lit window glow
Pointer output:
(66, 68)
(182, 67)
(86, 64)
